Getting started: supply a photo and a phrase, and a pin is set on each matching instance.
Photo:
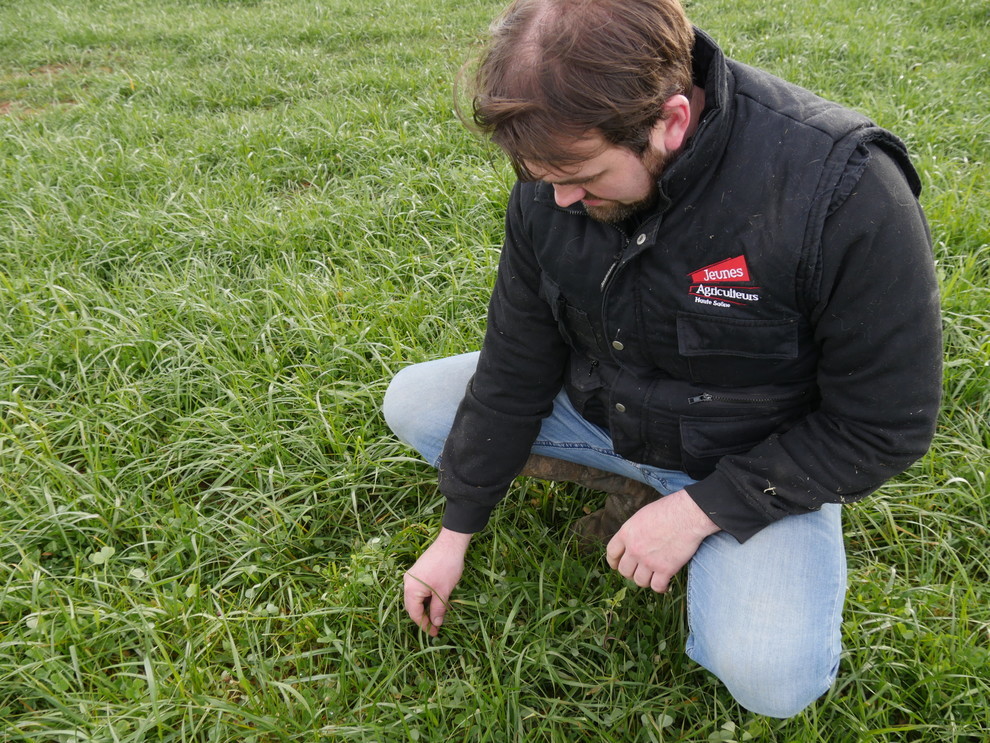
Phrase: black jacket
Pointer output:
(771, 328)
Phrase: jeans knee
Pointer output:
(421, 402)
(776, 684)
(778, 698)
(398, 405)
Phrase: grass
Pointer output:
(225, 226)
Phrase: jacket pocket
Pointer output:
(584, 374)
(736, 352)
(706, 440)
(574, 323)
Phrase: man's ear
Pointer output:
(670, 133)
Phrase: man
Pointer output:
(715, 287)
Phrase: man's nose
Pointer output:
(567, 195)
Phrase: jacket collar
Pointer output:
(695, 163)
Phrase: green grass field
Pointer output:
(223, 227)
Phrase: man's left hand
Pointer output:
(658, 540)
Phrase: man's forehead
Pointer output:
(582, 153)
(560, 176)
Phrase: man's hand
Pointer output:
(429, 583)
(658, 540)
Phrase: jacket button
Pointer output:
(641, 239)
(617, 345)
(620, 407)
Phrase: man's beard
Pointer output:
(614, 212)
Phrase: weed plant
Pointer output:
(224, 225)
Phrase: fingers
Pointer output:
(423, 605)
(623, 562)
(416, 609)
(438, 610)
(614, 551)
(658, 583)
(642, 576)
(417, 600)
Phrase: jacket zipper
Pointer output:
(709, 397)
(611, 270)
(616, 261)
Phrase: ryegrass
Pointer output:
(225, 226)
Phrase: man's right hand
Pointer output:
(429, 583)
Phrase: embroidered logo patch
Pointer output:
(732, 269)
(712, 284)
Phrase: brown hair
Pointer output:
(555, 70)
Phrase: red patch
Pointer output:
(731, 269)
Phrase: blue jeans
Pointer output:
(763, 616)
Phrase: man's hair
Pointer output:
(556, 70)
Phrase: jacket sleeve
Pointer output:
(520, 372)
(877, 326)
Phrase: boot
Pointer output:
(625, 496)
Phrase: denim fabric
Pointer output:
(764, 616)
